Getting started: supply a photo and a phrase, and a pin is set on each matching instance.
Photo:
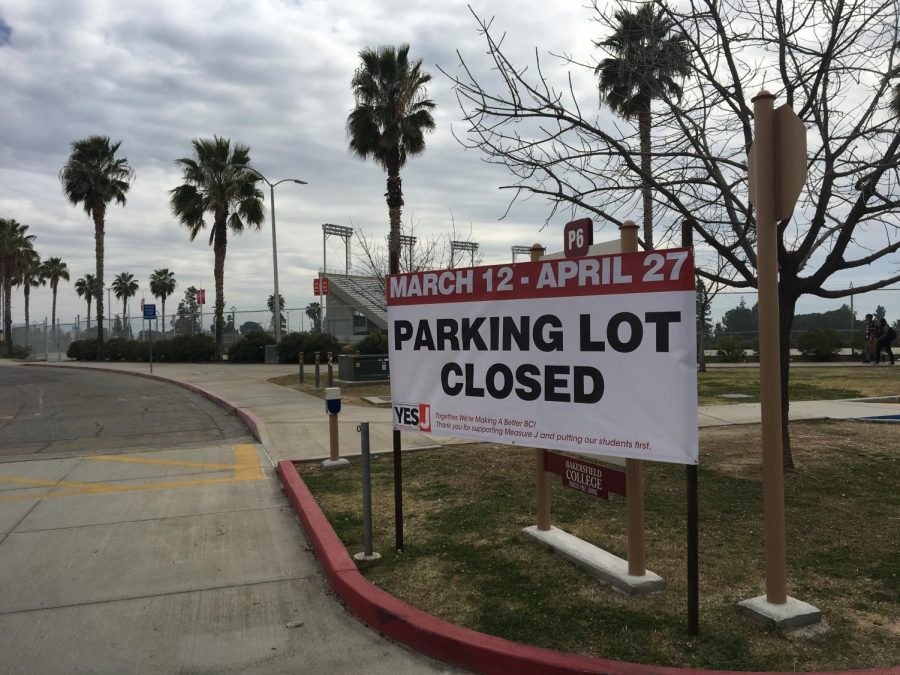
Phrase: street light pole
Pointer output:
(276, 300)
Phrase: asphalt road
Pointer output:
(54, 411)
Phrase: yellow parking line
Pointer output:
(131, 459)
(246, 467)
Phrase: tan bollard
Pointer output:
(333, 408)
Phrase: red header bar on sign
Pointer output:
(643, 272)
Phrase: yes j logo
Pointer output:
(412, 416)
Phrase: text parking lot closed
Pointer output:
(594, 355)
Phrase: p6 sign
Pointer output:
(578, 236)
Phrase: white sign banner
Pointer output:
(594, 355)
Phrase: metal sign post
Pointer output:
(149, 316)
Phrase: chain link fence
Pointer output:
(43, 340)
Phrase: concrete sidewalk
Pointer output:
(294, 424)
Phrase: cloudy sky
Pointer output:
(274, 75)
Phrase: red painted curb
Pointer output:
(437, 638)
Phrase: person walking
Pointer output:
(886, 335)
(871, 337)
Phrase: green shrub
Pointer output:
(820, 344)
(116, 349)
(730, 349)
(375, 343)
(251, 349)
(21, 351)
(83, 350)
(185, 349)
(308, 343)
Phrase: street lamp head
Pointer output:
(299, 182)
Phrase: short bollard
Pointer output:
(301, 368)
(330, 370)
(318, 358)
(367, 553)
(333, 407)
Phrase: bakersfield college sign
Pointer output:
(594, 355)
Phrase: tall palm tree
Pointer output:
(389, 121)
(15, 244)
(270, 303)
(54, 271)
(647, 60)
(162, 285)
(124, 286)
(86, 287)
(93, 177)
(31, 275)
(218, 179)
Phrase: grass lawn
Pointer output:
(467, 562)
(806, 384)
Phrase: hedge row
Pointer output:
(181, 349)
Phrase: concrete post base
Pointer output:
(600, 564)
(333, 464)
(362, 556)
(792, 614)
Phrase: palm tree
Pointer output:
(314, 312)
(54, 271)
(646, 59)
(389, 121)
(162, 285)
(86, 287)
(270, 303)
(124, 286)
(93, 177)
(30, 276)
(219, 180)
(15, 243)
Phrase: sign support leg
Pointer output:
(542, 481)
(398, 493)
(634, 468)
(693, 553)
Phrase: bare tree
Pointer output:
(417, 252)
(829, 59)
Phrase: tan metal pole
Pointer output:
(766, 171)
(541, 477)
(333, 437)
(634, 468)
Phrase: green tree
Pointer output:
(162, 285)
(93, 177)
(389, 121)
(124, 286)
(30, 275)
(86, 287)
(187, 317)
(250, 327)
(270, 303)
(741, 321)
(218, 180)
(54, 271)
(647, 60)
(15, 247)
(314, 312)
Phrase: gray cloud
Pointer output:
(271, 74)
